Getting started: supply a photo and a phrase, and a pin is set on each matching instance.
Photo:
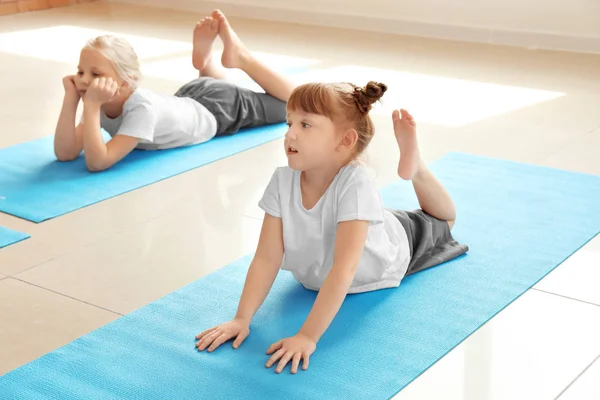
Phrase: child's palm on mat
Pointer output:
(295, 349)
(214, 337)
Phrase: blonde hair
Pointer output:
(346, 104)
(121, 54)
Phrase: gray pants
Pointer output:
(429, 239)
(234, 107)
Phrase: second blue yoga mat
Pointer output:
(8, 236)
(36, 187)
(519, 221)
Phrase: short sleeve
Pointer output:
(270, 202)
(359, 199)
(139, 122)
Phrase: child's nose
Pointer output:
(290, 134)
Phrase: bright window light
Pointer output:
(434, 99)
(63, 43)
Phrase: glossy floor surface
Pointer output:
(84, 269)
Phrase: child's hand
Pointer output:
(101, 91)
(70, 88)
(218, 335)
(295, 348)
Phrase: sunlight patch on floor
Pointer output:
(435, 99)
(63, 43)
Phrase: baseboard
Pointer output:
(526, 39)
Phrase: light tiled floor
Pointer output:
(86, 268)
(531, 350)
(578, 277)
(36, 320)
(586, 387)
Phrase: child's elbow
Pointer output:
(95, 166)
(64, 156)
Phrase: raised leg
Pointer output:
(236, 55)
(205, 33)
(433, 198)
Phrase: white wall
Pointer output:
(553, 24)
(569, 17)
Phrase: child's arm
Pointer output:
(98, 154)
(259, 280)
(68, 142)
(349, 245)
(263, 269)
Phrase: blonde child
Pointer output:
(107, 83)
(325, 221)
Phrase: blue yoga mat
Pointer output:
(36, 187)
(519, 221)
(8, 236)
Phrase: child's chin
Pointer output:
(294, 165)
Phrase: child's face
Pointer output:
(311, 140)
(93, 64)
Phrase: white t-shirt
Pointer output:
(309, 235)
(162, 121)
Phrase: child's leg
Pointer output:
(204, 35)
(433, 197)
(235, 55)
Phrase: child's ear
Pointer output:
(125, 82)
(349, 139)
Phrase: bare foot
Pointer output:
(235, 53)
(204, 36)
(405, 130)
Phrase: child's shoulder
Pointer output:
(144, 101)
(356, 172)
(140, 95)
(145, 97)
(284, 174)
(281, 180)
